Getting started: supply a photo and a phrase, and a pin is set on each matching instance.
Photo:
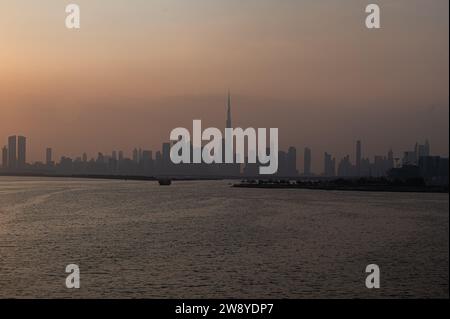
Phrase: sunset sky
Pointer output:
(137, 69)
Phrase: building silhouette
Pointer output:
(4, 157)
(420, 150)
(345, 168)
(227, 169)
(329, 165)
(135, 155)
(307, 162)
(358, 158)
(12, 152)
(434, 169)
(21, 152)
(228, 123)
(166, 152)
(48, 156)
(292, 162)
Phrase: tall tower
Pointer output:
(307, 162)
(427, 148)
(22, 151)
(330, 165)
(12, 152)
(48, 156)
(391, 159)
(4, 157)
(229, 111)
(292, 161)
(358, 157)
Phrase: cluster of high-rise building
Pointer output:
(420, 150)
(419, 163)
(362, 167)
(15, 153)
(146, 163)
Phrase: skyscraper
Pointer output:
(422, 150)
(22, 151)
(158, 162)
(412, 157)
(166, 152)
(345, 167)
(329, 165)
(4, 157)
(12, 152)
(282, 164)
(391, 159)
(292, 161)
(228, 124)
(427, 148)
(358, 158)
(135, 155)
(229, 169)
(48, 156)
(307, 162)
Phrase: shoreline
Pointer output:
(308, 186)
(356, 188)
(115, 177)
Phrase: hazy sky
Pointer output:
(137, 69)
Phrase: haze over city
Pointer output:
(132, 73)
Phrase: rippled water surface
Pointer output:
(206, 239)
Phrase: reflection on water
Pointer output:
(206, 239)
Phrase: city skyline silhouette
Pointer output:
(146, 162)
